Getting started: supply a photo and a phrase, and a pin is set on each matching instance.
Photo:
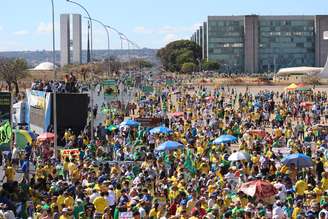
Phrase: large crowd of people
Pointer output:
(239, 154)
(68, 85)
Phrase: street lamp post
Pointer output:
(91, 35)
(108, 42)
(55, 78)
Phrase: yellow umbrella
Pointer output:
(292, 86)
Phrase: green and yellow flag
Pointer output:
(5, 133)
(189, 164)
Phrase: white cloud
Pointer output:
(142, 29)
(170, 38)
(44, 27)
(168, 30)
(21, 33)
(1, 28)
(196, 26)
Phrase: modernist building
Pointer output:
(255, 44)
(77, 39)
(65, 40)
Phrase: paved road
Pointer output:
(124, 97)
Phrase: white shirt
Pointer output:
(278, 213)
(324, 211)
(9, 214)
(142, 212)
(15, 153)
(111, 198)
(282, 192)
(93, 196)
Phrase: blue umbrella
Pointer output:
(225, 139)
(130, 122)
(300, 160)
(160, 129)
(169, 145)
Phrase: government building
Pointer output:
(258, 44)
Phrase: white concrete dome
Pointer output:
(45, 66)
(303, 70)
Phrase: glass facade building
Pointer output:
(225, 42)
(285, 43)
(264, 43)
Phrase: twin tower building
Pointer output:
(66, 43)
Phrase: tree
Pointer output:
(210, 66)
(85, 70)
(188, 67)
(177, 53)
(12, 70)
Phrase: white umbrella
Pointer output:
(240, 155)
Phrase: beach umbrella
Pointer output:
(300, 160)
(111, 128)
(258, 189)
(225, 139)
(240, 155)
(46, 136)
(168, 146)
(160, 130)
(306, 104)
(291, 87)
(177, 114)
(257, 132)
(22, 137)
(130, 123)
(300, 85)
(209, 98)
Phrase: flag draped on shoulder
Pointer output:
(189, 164)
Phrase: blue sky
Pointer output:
(25, 24)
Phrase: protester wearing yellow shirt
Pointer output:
(297, 210)
(324, 181)
(10, 173)
(300, 187)
(154, 211)
(68, 201)
(60, 201)
(65, 214)
(191, 203)
(100, 203)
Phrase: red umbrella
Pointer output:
(258, 188)
(306, 104)
(46, 136)
(257, 132)
(177, 114)
(209, 98)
